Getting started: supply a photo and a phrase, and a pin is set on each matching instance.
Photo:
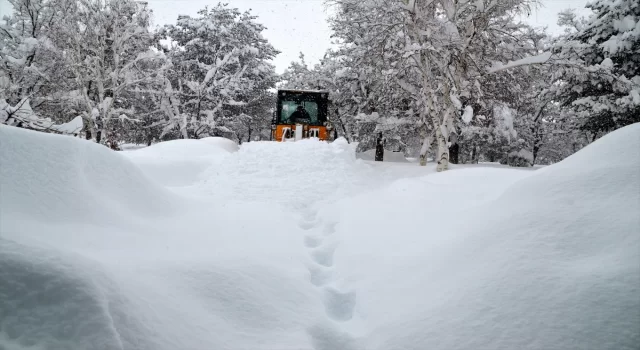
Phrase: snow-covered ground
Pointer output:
(202, 245)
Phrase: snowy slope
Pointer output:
(62, 179)
(94, 256)
(549, 262)
(303, 246)
(181, 162)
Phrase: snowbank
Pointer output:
(222, 143)
(389, 156)
(131, 146)
(294, 174)
(187, 148)
(52, 300)
(303, 246)
(60, 178)
(181, 162)
(93, 255)
(550, 262)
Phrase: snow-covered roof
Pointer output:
(304, 91)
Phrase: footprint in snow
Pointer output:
(310, 216)
(339, 305)
(325, 337)
(318, 276)
(306, 225)
(312, 242)
(324, 255)
(330, 228)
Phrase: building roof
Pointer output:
(304, 91)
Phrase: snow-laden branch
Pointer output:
(23, 115)
(538, 59)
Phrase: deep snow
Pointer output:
(181, 162)
(551, 261)
(200, 245)
(90, 274)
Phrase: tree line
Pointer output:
(467, 81)
(207, 75)
(460, 81)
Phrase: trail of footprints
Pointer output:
(339, 305)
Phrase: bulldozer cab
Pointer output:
(302, 113)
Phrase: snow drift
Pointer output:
(550, 262)
(293, 174)
(93, 255)
(181, 162)
(61, 179)
(303, 246)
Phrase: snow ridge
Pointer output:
(290, 174)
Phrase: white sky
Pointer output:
(295, 26)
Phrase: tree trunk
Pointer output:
(535, 129)
(424, 151)
(443, 151)
(442, 156)
(379, 148)
(344, 128)
(99, 128)
(94, 134)
(474, 154)
(89, 124)
(453, 153)
(454, 149)
(184, 126)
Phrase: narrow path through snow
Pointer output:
(301, 178)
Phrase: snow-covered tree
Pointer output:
(32, 72)
(219, 57)
(435, 51)
(598, 74)
(60, 59)
(252, 120)
(104, 44)
(513, 104)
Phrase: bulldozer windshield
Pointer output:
(306, 112)
(304, 107)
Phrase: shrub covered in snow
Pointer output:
(522, 158)
(602, 80)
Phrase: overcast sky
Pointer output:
(295, 26)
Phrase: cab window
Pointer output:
(309, 111)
